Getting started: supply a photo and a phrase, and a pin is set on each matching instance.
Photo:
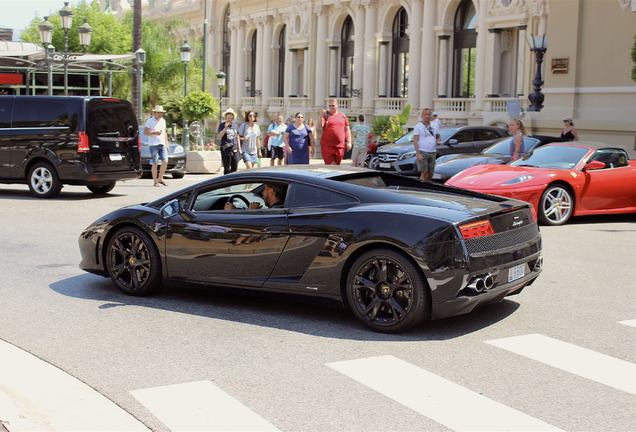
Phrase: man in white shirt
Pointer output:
(426, 139)
(437, 122)
(155, 129)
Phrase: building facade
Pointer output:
(465, 59)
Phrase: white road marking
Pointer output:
(37, 396)
(200, 406)
(589, 364)
(629, 322)
(437, 398)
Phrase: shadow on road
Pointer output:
(280, 313)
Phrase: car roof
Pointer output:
(594, 145)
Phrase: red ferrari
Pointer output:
(561, 180)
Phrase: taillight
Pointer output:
(476, 229)
(139, 143)
(534, 213)
(83, 146)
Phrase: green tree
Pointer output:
(198, 104)
(396, 126)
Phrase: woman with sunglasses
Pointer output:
(299, 141)
(569, 133)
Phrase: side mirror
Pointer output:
(452, 142)
(594, 165)
(170, 209)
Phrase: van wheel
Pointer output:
(44, 181)
(101, 190)
(177, 174)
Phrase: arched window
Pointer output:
(347, 47)
(465, 53)
(280, 91)
(400, 55)
(250, 90)
(225, 50)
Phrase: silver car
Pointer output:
(176, 157)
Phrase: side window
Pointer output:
(309, 196)
(611, 157)
(39, 114)
(5, 114)
(240, 195)
(486, 135)
(463, 136)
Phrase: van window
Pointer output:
(39, 114)
(111, 118)
(5, 114)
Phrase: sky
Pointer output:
(17, 14)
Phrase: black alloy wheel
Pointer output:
(44, 181)
(387, 292)
(133, 263)
(177, 174)
(556, 205)
(101, 190)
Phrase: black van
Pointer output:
(48, 141)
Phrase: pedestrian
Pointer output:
(518, 131)
(336, 134)
(426, 138)
(314, 131)
(436, 121)
(275, 133)
(569, 132)
(360, 133)
(155, 129)
(250, 139)
(228, 132)
(299, 141)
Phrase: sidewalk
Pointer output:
(36, 396)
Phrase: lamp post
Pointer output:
(186, 51)
(344, 80)
(46, 35)
(140, 56)
(248, 87)
(538, 45)
(220, 82)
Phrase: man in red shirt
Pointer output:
(336, 134)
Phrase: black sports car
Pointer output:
(396, 250)
(497, 154)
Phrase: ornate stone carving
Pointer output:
(507, 7)
(540, 8)
(624, 4)
(299, 21)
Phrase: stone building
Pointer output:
(463, 58)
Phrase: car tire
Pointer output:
(133, 263)
(177, 174)
(556, 205)
(387, 292)
(102, 190)
(44, 181)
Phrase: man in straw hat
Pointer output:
(228, 132)
(155, 129)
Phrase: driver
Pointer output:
(273, 195)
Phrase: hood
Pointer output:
(487, 176)
(396, 148)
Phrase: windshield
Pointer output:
(112, 118)
(553, 156)
(446, 133)
(503, 147)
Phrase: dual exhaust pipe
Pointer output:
(481, 283)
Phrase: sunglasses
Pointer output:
(332, 106)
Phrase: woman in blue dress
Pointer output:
(299, 141)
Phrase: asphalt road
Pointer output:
(561, 355)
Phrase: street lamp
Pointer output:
(538, 45)
(46, 35)
(344, 80)
(248, 87)
(186, 51)
(220, 81)
(140, 56)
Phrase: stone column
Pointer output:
(370, 61)
(294, 91)
(260, 51)
(304, 91)
(416, 68)
(442, 78)
(321, 57)
(521, 60)
(268, 56)
(334, 77)
(480, 66)
(493, 67)
(427, 90)
(382, 73)
(356, 81)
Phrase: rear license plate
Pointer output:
(516, 272)
(385, 165)
(115, 156)
(437, 176)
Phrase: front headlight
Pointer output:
(407, 155)
(520, 179)
(178, 150)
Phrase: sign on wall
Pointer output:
(560, 65)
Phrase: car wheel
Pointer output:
(101, 190)
(176, 174)
(556, 205)
(133, 263)
(387, 292)
(44, 181)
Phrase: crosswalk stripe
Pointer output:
(589, 364)
(200, 406)
(629, 322)
(435, 397)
